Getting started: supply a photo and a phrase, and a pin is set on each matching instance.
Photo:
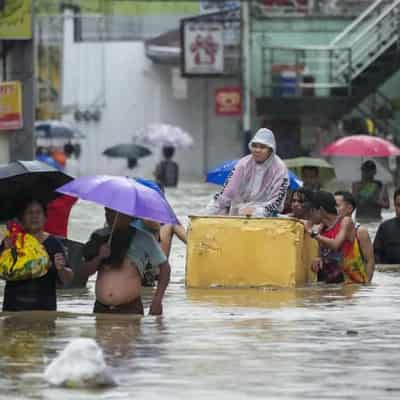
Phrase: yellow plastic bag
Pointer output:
(27, 260)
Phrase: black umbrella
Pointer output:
(53, 129)
(23, 180)
(127, 150)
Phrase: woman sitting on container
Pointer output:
(258, 184)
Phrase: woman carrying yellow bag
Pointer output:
(32, 261)
(25, 259)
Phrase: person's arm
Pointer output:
(379, 246)
(157, 171)
(63, 271)
(162, 284)
(345, 228)
(383, 199)
(367, 251)
(276, 201)
(180, 232)
(221, 202)
(90, 267)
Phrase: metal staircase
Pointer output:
(336, 78)
(374, 33)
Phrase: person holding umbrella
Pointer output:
(258, 184)
(167, 170)
(120, 252)
(118, 266)
(38, 293)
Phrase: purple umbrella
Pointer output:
(123, 195)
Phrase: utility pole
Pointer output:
(246, 71)
(22, 69)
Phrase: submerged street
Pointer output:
(314, 343)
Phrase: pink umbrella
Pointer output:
(361, 146)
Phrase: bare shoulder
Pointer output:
(363, 232)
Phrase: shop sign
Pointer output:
(10, 106)
(228, 101)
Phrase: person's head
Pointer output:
(300, 203)
(32, 215)
(396, 199)
(122, 222)
(368, 170)
(40, 151)
(323, 206)
(263, 145)
(132, 163)
(168, 152)
(310, 176)
(345, 203)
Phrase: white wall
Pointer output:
(135, 93)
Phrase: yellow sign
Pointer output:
(16, 19)
(10, 106)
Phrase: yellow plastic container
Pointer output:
(248, 252)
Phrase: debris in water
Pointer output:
(351, 332)
(80, 364)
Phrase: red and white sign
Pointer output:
(203, 48)
(228, 101)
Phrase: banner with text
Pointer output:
(10, 106)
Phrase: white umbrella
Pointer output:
(163, 135)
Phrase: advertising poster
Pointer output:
(10, 106)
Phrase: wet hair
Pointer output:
(347, 198)
(305, 194)
(168, 152)
(324, 200)
(396, 194)
(25, 203)
(368, 165)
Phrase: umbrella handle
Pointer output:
(113, 228)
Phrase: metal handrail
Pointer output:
(360, 49)
(376, 21)
(356, 22)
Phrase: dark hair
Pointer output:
(396, 194)
(347, 198)
(168, 151)
(324, 200)
(305, 194)
(368, 165)
(132, 163)
(25, 203)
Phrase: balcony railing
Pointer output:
(303, 71)
(339, 8)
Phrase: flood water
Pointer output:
(313, 343)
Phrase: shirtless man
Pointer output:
(121, 265)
